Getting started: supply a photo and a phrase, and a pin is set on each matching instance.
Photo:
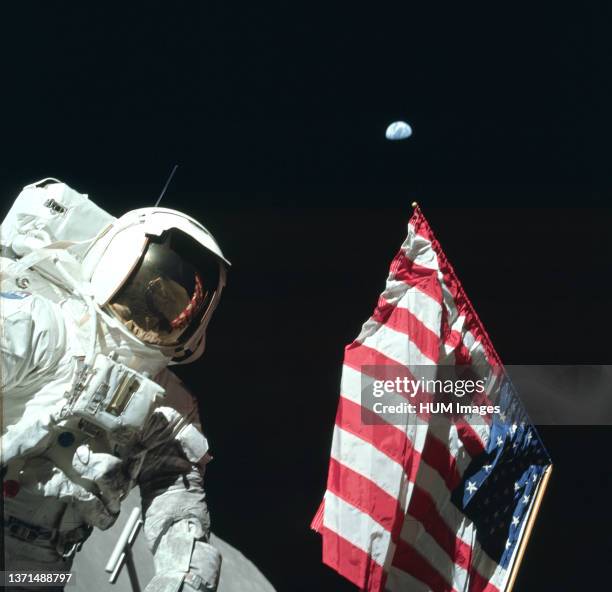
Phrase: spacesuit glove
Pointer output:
(87, 505)
(105, 472)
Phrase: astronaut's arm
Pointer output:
(32, 343)
(31, 339)
(177, 529)
(14, 361)
(176, 518)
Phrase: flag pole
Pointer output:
(530, 523)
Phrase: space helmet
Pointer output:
(161, 273)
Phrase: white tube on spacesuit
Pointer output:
(122, 553)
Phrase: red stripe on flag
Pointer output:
(411, 561)
(352, 562)
(400, 319)
(470, 438)
(357, 355)
(423, 508)
(462, 302)
(480, 584)
(317, 520)
(427, 514)
(385, 437)
(403, 321)
(437, 455)
(454, 340)
(365, 495)
(422, 278)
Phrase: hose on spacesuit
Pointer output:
(92, 308)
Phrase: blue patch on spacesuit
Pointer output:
(15, 295)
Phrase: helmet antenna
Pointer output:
(163, 191)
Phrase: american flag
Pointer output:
(419, 505)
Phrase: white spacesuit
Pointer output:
(93, 309)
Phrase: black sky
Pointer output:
(276, 113)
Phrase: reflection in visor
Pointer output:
(166, 298)
(168, 294)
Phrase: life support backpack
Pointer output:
(48, 212)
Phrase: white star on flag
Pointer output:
(471, 487)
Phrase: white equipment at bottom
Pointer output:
(238, 573)
(122, 553)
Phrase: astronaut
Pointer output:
(93, 310)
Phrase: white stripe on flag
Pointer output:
(430, 481)
(363, 458)
(419, 250)
(417, 537)
(357, 528)
(397, 346)
(425, 309)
